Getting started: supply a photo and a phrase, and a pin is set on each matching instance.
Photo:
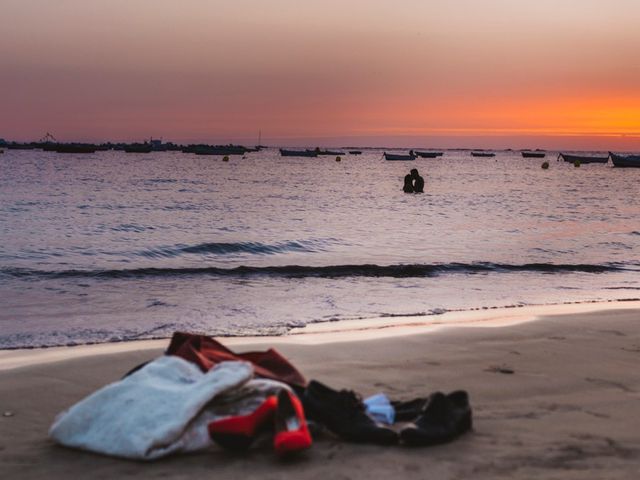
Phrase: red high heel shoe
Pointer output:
(238, 433)
(291, 432)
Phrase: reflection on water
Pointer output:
(114, 246)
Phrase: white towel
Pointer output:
(152, 412)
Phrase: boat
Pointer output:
(355, 152)
(298, 153)
(534, 154)
(398, 156)
(73, 148)
(428, 154)
(215, 150)
(483, 154)
(582, 158)
(326, 152)
(625, 161)
(138, 148)
(21, 146)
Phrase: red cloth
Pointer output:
(206, 352)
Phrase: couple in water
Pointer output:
(413, 182)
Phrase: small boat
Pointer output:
(326, 152)
(21, 146)
(625, 161)
(582, 158)
(483, 154)
(138, 148)
(215, 150)
(397, 156)
(298, 153)
(534, 154)
(355, 152)
(428, 154)
(74, 148)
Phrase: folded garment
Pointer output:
(379, 408)
(206, 352)
(162, 408)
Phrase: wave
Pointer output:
(331, 271)
(219, 248)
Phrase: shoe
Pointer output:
(445, 417)
(410, 410)
(344, 414)
(238, 433)
(291, 432)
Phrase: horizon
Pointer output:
(399, 142)
(545, 74)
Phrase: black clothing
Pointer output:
(444, 418)
(344, 414)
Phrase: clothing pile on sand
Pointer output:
(201, 393)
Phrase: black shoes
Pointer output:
(344, 414)
(444, 418)
(408, 411)
(437, 419)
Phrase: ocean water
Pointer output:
(114, 246)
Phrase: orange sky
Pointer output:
(494, 73)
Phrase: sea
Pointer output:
(116, 246)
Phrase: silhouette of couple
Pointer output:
(413, 182)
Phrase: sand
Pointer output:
(570, 409)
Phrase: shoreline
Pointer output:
(331, 332)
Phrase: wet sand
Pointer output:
(570, 408)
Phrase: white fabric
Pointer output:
(237, 401)
(153, 412)
(380, 409)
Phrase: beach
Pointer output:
(555, 397)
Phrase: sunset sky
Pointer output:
(468, 73)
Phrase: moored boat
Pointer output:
(355, 152)
(74, 148)
(534, 154)
(298, 153)
(399, 156)
(625, 161)
(138, 148)
(428, 154)
(215, 150)
(483, 154)
(326, 152)
(21, 146)
(582, 158)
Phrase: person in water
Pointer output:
(408, 184)
(418, 181)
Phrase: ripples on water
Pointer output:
(115, 246)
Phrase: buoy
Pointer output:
(338, 159)
(576, 163)
(545, 165)
(225, 158)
